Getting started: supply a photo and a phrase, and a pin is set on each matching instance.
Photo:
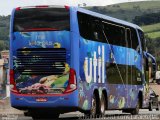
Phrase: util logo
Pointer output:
(91, 64)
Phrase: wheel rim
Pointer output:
(138, 106)
(151, 106)
(93, 109)
(102, 105)
(158, 106)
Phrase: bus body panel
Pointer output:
(39, 40)
(53, 101)
(118, 93)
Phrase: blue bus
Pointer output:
(64, 59)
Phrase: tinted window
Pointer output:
(113, 77)
(135, 43)
(115, 34)
(132, 39)
(41, 19)
(90, 27)
(141, 35)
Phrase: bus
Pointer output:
(65, 59)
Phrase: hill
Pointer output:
(153, 31)
(128, 11)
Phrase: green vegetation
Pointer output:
(4, 27)
(4, 45)
(151, 28)
(152, 31)
(147, 19)
(4, 32)
(154, 35)
(128, 11)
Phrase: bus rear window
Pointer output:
(38, 19)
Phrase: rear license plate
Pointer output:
(41, 99)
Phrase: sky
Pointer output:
(6, 6)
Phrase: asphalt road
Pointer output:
(9, 113)
(110, 115)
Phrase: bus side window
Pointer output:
(129, 39)
(115, 34)
(89, 27)
(141, 35)
(84, 26)
(135, 43)
(97, 31)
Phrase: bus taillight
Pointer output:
(67, 7)
(12, 82)
(72, 82)
(18, 8)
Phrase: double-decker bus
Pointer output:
(64, 59)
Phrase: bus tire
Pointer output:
(102, 105)
(45, 117)
(135, 111)
(150, 106)
(157, 109)
(94, 111)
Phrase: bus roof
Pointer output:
(95, 14)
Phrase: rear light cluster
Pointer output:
(12, 82)
(72, 82)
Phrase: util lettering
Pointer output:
(92, 64)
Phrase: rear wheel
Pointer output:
(102, 105)
(45, 117)
(150, 106)
(135, 111)
(157, 109)
(94, 108)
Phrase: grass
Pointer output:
(138, 7)
(151, 28)
(153, 31)
(154, 35)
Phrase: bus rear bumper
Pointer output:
(66, 102)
